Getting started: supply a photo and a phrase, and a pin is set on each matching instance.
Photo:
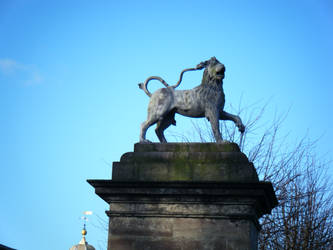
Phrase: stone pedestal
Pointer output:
(184, 196)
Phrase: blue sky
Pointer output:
(70, 105)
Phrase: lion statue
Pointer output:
(206, 100)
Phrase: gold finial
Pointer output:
(84, 231)
(85, 219)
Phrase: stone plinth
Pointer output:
(184, 196)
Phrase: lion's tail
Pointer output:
(144, 85)
(182, 73)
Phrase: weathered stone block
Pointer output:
(185, 162)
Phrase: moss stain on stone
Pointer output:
(185, 162)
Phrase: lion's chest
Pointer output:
(211, 96)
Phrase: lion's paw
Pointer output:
(145, 141)
(241, 127)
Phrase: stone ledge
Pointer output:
(199, 157)
(186, 147)
(260, 194)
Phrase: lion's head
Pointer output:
(214, 71)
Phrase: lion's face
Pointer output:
(215, 69)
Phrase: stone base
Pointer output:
(184, 196)
(184, 215)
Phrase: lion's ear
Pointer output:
(200, 65)
(204, 63)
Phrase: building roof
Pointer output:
(2, 247)
(83, 244)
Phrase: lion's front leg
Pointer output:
(213, 118)
(236, 119)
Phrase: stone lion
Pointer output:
(206, 100)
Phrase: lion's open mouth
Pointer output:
(220, 75)
(219, 71)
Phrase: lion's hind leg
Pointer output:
(144, 127)
(163, 124)
(158, 109)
